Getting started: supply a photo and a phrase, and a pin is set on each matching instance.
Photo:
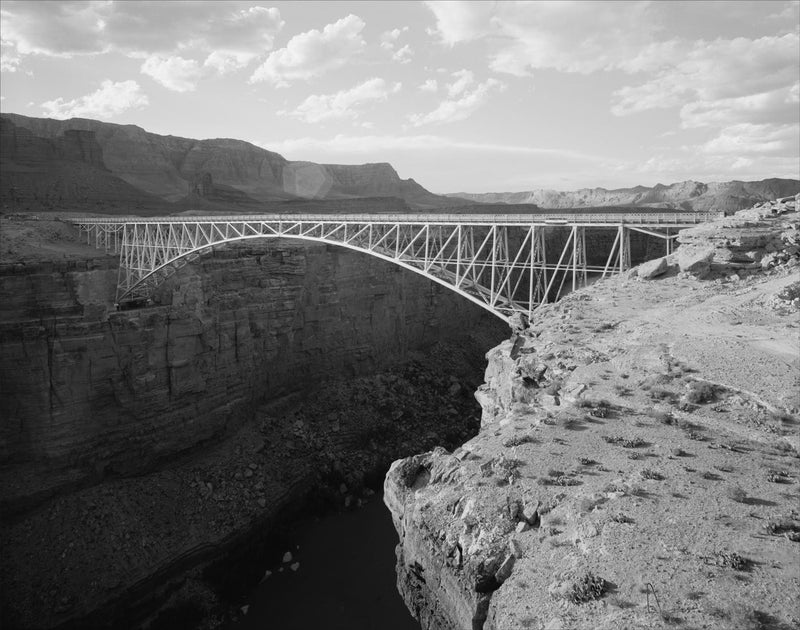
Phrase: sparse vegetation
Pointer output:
(519, 440)
(700, 393)
(735, 493)
(663, 417)
(587, 588)
(626, 442)
(661, 394)
(732, 560)
(622, 391)
(779, 476)
(648, 473)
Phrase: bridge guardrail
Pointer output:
(674, 218)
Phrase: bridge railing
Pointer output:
(616, 218)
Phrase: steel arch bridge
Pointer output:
(496, 261)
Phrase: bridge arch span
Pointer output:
(496, 261)
(155, 277)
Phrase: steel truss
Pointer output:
(497, 261)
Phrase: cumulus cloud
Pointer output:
(717, 73)
(747, 139)
(313, 53)
(464, 78)
(9, 60)
(403, 55)
(228, 37)
(431, 85)
(465, 96)
(345, 103)
(389, 38)
(108, 101)
(389, 43)
(462, 21)
(735, 87)
(568, 36)
(174, 73)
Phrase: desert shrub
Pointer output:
(732, 560)
(518, 440)
(648, 473)
(700, 393)
(662, 416)
(735, 493)
(587, 588)
(565, 480)
(779, 476)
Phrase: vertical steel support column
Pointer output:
(625, 248)
(668, 243)
(579, 257)
(540, 259)
(494, 265)
(574, 257)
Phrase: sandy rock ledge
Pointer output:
(637, 465)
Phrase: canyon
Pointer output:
(140, 445)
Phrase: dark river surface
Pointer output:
(345, 581)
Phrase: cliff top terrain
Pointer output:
(637, 465)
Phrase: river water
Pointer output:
(345, 579)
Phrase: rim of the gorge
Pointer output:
(638, 463)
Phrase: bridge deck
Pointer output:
(662, 219)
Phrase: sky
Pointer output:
(461, 96)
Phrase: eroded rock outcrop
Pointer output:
(638, 440)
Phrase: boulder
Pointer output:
(695, 259)
(653, 268)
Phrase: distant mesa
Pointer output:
(85, 164)
(688, 195)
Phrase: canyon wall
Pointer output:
(89, 391)
(125, 163)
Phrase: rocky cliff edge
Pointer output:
(637, 464)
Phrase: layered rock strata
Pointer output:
(93, 391)
(637, 462)
(132, 446)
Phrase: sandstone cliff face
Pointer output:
(67, 169)
(690, 195)
(88, 391)
(168, 167)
